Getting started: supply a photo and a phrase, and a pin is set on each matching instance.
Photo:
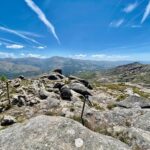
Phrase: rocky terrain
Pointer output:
(134, 72)
(45, 113)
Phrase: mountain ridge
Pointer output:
(12, 67)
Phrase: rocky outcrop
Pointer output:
(65, 93)
(56, 133)
(143, 122)
(134, 101)
(115, 111)
(79, 88)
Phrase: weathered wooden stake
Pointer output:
(83, 110)
(7, 87)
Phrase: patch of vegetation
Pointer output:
(121, 97)
(141, 93)
(20, 119)
(77, 118)
(118, 87)
(111, 106)
(52, 113)
(25, 83)
(87, 75)
(97, 106)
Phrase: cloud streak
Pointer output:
(130, 7)
(15, 46)
(104, 57)
(30, 34)
(117, 23)
(146, 13)
(32, 55)
(6, 55)
(43, 18)
(8, 41)
(18, 34)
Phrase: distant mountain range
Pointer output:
(13, 67)
(134, 72)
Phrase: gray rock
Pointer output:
(82, 81)
(58, 71)
(53, 103)
(53, 77)
(21, 77)
(143, 122)
(55, 133)
(8, 120)
(19, 100)
(116, 117)
(134, 101)
(43, 93)
(16, 83)
(58, 85)
(65, 93)
(79, 88)
(136, 138)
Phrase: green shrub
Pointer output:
(141, 93)
(111, 106)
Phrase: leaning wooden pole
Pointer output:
(83, 110)
(7, 87)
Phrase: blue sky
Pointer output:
(85, 29)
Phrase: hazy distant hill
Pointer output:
(35, 66)
(135, 72)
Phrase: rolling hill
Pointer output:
(13, 67)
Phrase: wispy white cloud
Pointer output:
(105, 57)
(8, 41)
(32, 55)
(146, 13)
(117, 23)
(78, 56)
(41, 47)
(136, 26)
(30, 34)
(15, 46)
(43, 18)
(6, 55)
(130, 7)
(18, 34)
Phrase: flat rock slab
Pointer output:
(134, 101)
(143, 122)
(55, 133)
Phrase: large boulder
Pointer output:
(65, 93)
(84, 82)
(136, 138)
(79, 88)
(134, 101)
(58, 71)
(55, 133)
(58, 85)
(53, 77)
(103, 120)
(143, 122)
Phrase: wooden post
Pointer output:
(8, 97)
(83, 110)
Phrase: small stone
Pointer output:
(8, 120)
